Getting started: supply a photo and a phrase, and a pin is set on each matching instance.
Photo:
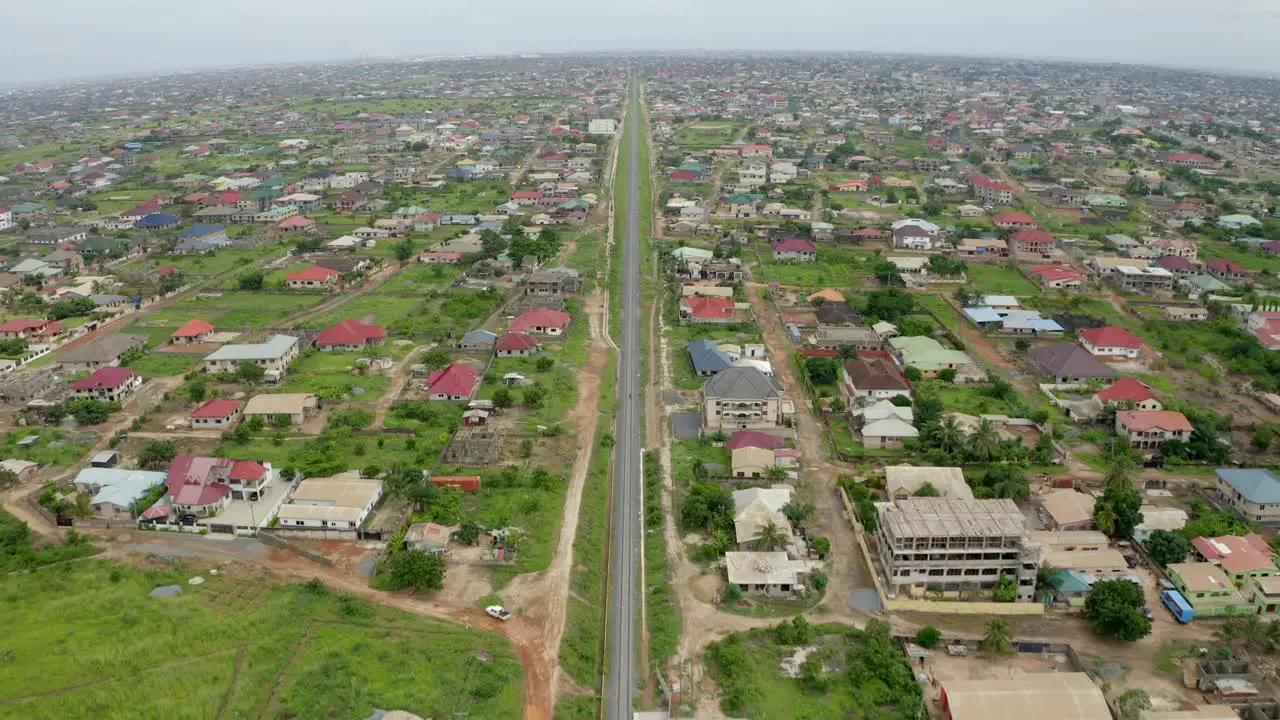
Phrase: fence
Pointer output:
(269, 537)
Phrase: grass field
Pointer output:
(998, 279)
(235, 310)
(707, 134)
(835, 267)
(331, 375)
(164, 364)
(86, 641)
(206, 265)
(54, 447)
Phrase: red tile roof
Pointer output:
(216, 409)
(1050, 273)
(1224, 265)
(1033, 236)
(296, 222)
(315, 273)
(193, 328)
(1236, 553)
(516, 341)
(23, 325)
(107, 378)
(754, 438)
(191, 480)
(1143, 420)
(710, 307)
(350, 332)
(247, 470)
(1126, 389)
(1110, 336)
(456, 379)
(541, 317)
(794, 245)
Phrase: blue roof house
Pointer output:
(1254, 493)
(157, 221)
(707, 359)
(115, 490)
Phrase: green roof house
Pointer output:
(928, 355)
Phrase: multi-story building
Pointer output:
(955, 544)
(1149, 429)
(1254, 493)
(742, 398)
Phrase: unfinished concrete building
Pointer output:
(954, 545)
(22, 387)
(474, 446)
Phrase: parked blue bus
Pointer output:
(1178, 605)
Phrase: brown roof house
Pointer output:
(102, 352)
(1069, 363)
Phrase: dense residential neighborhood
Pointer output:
(976, 356)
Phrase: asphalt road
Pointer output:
(625, 588)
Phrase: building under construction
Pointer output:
(476, 445)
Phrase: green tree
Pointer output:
(821, 546)
(821, 370)
(771, 537)
(253, 280)
(250, 372)
(405, 250)
(1005, 589)
(927, 490)
(1166, 546)
(1118, 512)
(1132, 703)
(437, 357)
(928, 637)
(414, 570)
(912, 326)
(797, 512)
(157, 454)
(912, 373)
(1113, 609)
(984, 443)
(503, 399)
(1120, 467)
(996, 637)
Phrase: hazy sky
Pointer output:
(56, 39)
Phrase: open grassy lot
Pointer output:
(53, 448)
(380, 309)
(998, 279)
(707, 134)
(878, 682)
(108, 203)
(1249, 257)
(206, 265)
(337, 451)
(86, 641)
(835, 267)
(331, 375)
(417, 278)
(466, 198)
(235, 310)
(164, 364)
(945, 313)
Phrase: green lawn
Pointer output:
(84, 640)
(1249, 257)
(207, 265)
(944, 311)
(835, 267)
(237, 310)
(55, 447)
(332, 375)
(417, 278)
(164, 364)
(998, 279)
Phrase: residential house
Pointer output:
(1227, 271)
(314, 277)
(868, 379)
(916, 234)
(350, 335)
(744, 398)
(1111, 342)
(1209, 591)
(903, 481)
(342, 503)
(477, 341)
(764, 573)
(1015, 221)
(795, 249)
(30, 330)
(1242, 557)
(754, 509)
(1149, 429)
(277, 408)
(1032, 242)
(1067, 510)
(1069, 363)
(930, 357)
(108, 384)
(115, 491)
(887, 426)
(69, 262)
(192, 332)
(542, 321)
(1181, 267)
(1128, 393)
(707, 310)
(1254, 493)
(1174, 313)
(274, 355)
(706, 358)
(456, 382)
(216, 414)
(516, 344)
(102, 352)
(1058, 277)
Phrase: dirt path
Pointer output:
(399, 376)
(974, 338)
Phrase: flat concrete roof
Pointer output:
(919, 517)
(1044, 696)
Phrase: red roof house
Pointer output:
(515, 344)
(296, 223)
(1015, 221)
(1111, 341)
(198, 484)
(1032, 242)
(542, 320)
(706, 310)
(455, 383)
(754, 438)
(108, 384)
(795, 249)
(216, 414)
(1236, 553)
(312, 277)
(1129, 390)
(1058, 276)
(350, 335)
(22, 329)
(194, 331)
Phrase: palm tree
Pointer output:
(996, 638)
(950, 436)
(699, 470)
(984, 443)
(1119, 467)
(1013, 487)
(771, 537)
(1105, 520)
(798, 512)
(776, 473)
(847, 352)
